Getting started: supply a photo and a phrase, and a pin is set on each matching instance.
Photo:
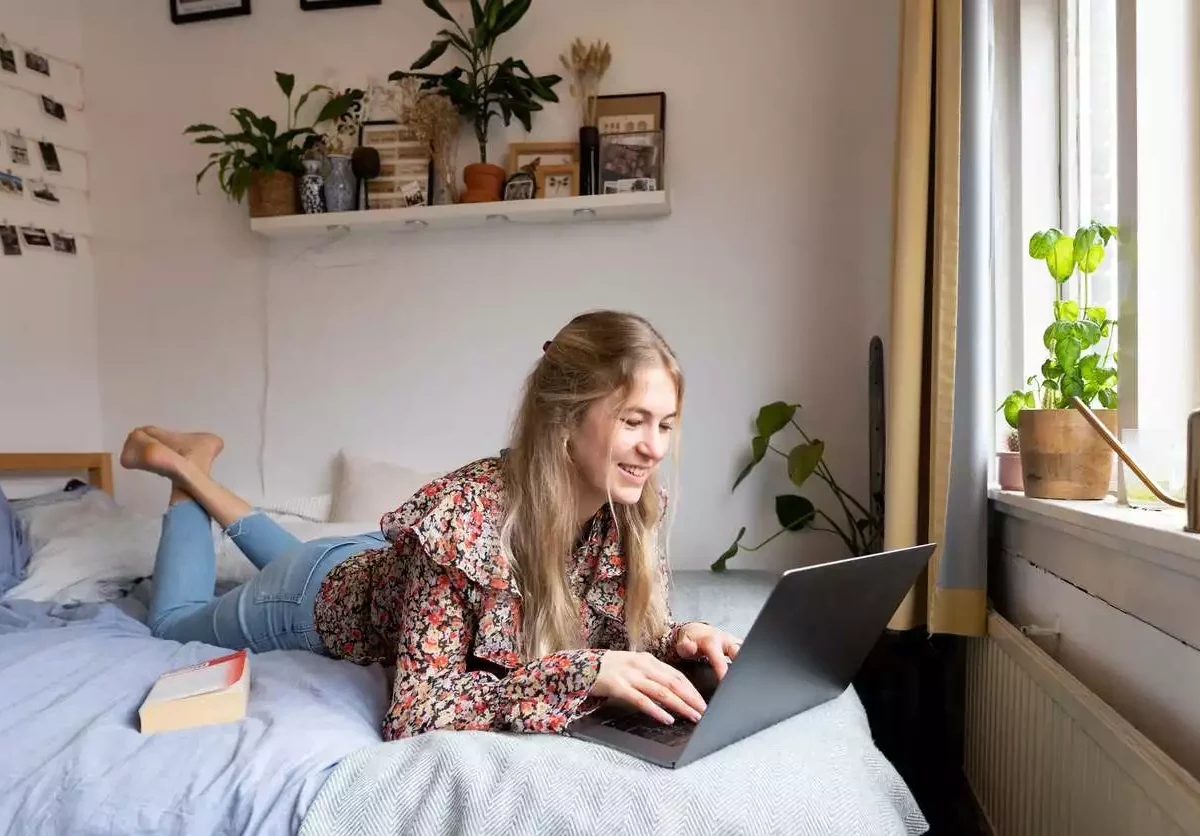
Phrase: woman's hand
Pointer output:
(648, 684)
(696, 639)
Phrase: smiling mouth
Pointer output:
(634, 471)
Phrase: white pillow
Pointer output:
(366, 489)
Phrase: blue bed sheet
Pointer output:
(71, 680)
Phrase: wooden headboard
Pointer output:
(97, 465)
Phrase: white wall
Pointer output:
(49, 391)
(768, 279)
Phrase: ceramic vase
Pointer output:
(341, 186)
(589, 160)
(312, 188)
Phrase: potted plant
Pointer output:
(483, 89)
(1008, 464)
(861, 530)
(1062, 457)
(261, 159)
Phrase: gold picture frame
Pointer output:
(550, 153)
(550, 180)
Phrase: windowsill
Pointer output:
(1157, 536)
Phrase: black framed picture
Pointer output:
(193, 11)
(317, 5)
(405, 167)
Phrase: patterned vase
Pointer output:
(312, 185)
(341, 186)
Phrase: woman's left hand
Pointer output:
(695, 639)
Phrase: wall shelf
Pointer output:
(609, 207)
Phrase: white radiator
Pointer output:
(1046, 756)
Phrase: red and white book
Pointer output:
(204, 694)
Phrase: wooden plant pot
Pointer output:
(1062, 457)
(272, 194)
(484, 181)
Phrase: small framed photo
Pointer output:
(53, 108)
(521, 154)
(35, 236)
(193, 11)
(405, 166)
(558, 180)
(10, 239)
(631, 162)
(317, 5)
(8, 63)
(631, 113)
(37, 63)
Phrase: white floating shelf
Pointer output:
(608, 207)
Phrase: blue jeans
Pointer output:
(272, 611)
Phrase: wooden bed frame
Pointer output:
(98, 466)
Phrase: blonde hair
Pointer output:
(594, 356)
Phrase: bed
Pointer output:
(76, 660)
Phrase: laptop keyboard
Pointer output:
(645, 726)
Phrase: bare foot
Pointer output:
(144, 452)
(199, 448)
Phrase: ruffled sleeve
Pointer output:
(457, 596)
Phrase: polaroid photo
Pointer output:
(54, 109)
(11, 185)
(635, 184)
(37, 63)
(8, 63)
(43, 191)
(10, 240)
(18, 149)
(64, 244)
(413, 193)
(50, 157)
(35, 236)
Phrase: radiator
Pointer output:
(1045, 755)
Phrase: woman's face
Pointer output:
(618, 444)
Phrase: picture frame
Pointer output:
(405, 166)
(194, 11)
(551, 179)
(318, 5)
(54, 109)
(631, 112)
(8, 58)
(521, 154)
(631, 162)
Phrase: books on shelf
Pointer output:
(203, 694)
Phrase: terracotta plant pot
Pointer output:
(1008, 471)
(1062, 457)
(485, 182)
(272, 194)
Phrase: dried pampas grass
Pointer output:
(587, 63)
(435, 122)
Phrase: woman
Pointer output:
(515, 593)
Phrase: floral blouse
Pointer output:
(442, 604)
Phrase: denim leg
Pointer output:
(261, 539)
(185, 567)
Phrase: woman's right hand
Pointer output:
(648, 684)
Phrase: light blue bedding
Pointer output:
(71, 680)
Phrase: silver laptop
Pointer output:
(807, 643)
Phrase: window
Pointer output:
(1098, 117)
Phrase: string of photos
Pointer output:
(15, 186)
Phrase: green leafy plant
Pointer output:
(1080, 340)
(260, 145)
(860, 528)
(483, 89)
